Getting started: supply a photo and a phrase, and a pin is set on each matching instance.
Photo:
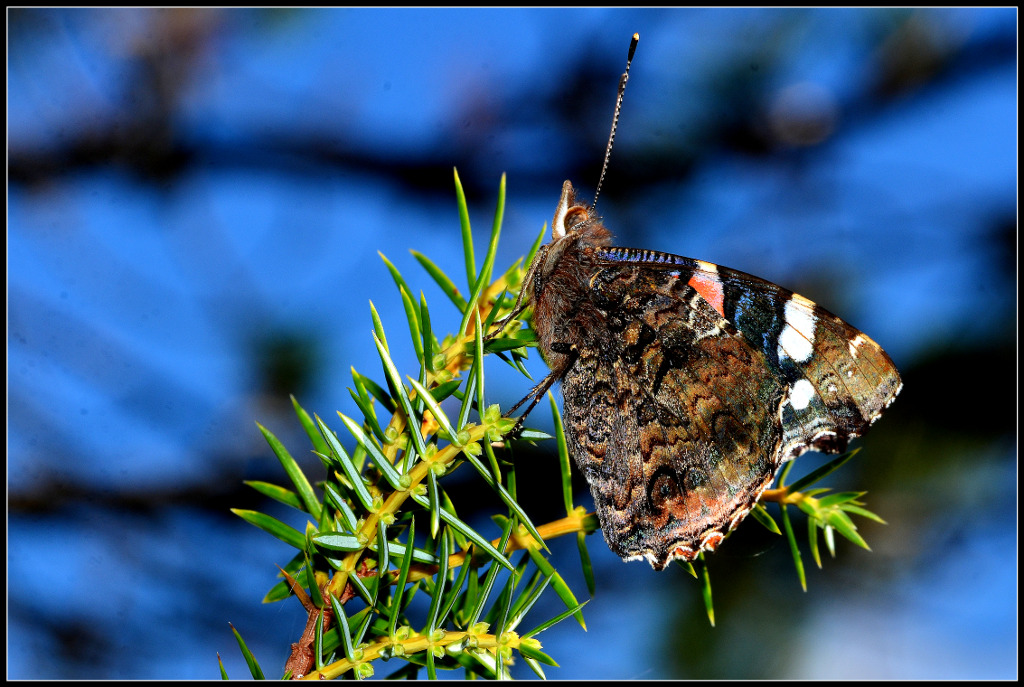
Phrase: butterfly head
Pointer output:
(570, 215)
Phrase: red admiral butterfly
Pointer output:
(686, 385)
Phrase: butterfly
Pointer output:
(686, 385)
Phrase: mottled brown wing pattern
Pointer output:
(686, 384)
(673, 422)
(839, 379)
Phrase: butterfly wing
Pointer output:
(839, 379)
(701, 383)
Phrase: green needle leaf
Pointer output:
(379, 459)
(833, 500)
(442, 280)
(787, 526)
(466, 531)
(412, 314)
(467, 233)
(431, 668)
(492, 572)
(254, 667)
(418, 555)
(842, 524)
(349, 468)
(378, 327)
(337, 541)
(443, 391)
(403, 577)
(309, 426)
(366, 408)
(367, 385)
(585, 564)
(526, 602)
(434, 503)
(294, 473)
(223, 670)
(396, 276)
(509, 501)
(857, 510)
(705, 588)
(822, 472)
(557, 583)
(499, 213)
(364, 594)
(343, 631)
(453, 594)
(760, 513)
(428, 335)
(534, 665)
(547, 624)
(467, 397)
(289, 535)
(509, 343)
(535, 654)
(478, 354)
(812, 536)
(285, 496)
(435, 410)
(563, 456)
(403, 397)
(441, 577)
(470, 309)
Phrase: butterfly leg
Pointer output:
(500, 325)
(537, 392)
(519, 307)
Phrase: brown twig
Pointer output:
(301, 659)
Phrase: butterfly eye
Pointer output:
(575, 217)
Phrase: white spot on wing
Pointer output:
(800, 394)
(855, 343)
(708, 266)
(797, 338)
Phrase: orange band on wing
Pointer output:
(709, 286)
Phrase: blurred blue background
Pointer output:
(196, 199)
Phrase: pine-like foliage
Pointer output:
(381, 530)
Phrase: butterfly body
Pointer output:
(686, 385)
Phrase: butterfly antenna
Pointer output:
(615, 118)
